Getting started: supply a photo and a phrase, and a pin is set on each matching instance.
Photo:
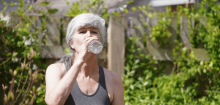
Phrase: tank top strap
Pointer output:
(102, 77)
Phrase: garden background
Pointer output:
(164, 57)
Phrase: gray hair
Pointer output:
(67, 60)
(85, 19)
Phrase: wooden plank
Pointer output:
(116, 44)
(52, 32)
(52, 51)
(151, 22)
(13, 19)
(203, 21)
(138, 30)
(201, 54)
(173, 31)
(33, 27)
(161, 54)
(184, 32)
(66, 21)
(154, 48)
(137, 24)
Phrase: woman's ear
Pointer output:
(72, 45)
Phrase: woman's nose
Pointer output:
(88, 33)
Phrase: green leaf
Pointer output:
(68, 3)
(8, 54)
(125, 11)
(30, 7)
(211, 64)
(21, 3)
(11, 95)
(15, 72)
(44, 3)
(52, 11)
(116, 13)
(12, 3)
(139, 7)
(5, 98)
(133, 9)
(14, 54)
(129, 2)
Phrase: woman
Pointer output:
(77, 79)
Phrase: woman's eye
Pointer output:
(94, 32)
(82, 32)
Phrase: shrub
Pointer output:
(192, 81)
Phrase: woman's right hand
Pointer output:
(83, 53)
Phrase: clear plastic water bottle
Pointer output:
(95, 47)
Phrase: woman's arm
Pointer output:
(58, 87)
(118, 91)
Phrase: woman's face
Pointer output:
(83, 33)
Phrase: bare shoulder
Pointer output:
(54, 74)
(112, 77)
(56, 68)
(114, 86)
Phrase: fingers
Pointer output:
(89, 40)
(86, 43)
(84, 54)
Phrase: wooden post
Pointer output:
(184, 32)
(116, 44)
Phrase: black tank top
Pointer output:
(100, 97)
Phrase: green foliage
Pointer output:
(190, 81)
(21, 65)
(139, 71)
(75, 10)
(130, 1)
(94, 6)
(161, 32)
(44, 3)
(133, 9)
(52, 10)
(40, 95)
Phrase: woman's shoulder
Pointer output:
(113, 83)
(112, 76)
(56, 68)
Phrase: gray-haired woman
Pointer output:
(77, 79)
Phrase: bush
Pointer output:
(191, 81)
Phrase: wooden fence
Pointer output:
(112, 56)
(153, 48)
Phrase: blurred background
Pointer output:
(166, 51)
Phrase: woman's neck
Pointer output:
(89, 67)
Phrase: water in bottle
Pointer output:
(95, 47)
